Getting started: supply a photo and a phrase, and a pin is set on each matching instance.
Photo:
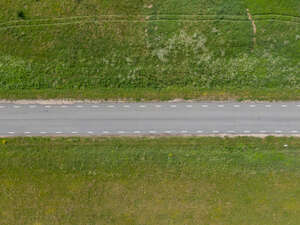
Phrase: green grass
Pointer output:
(149, 181)
(148, 94)
(87, 45)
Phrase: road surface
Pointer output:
(168, 118)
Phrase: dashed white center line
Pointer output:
(110, 106)
(142, 106)
(236, 106)
(79, 106)
(268, 106)
(168, 131)
(64, 106)
(17, 106)
(247, 131)
(152, 132)
(48, 106)
(252, 106)
(199, 131)
(189, 106)
(90, 132)
(294, 131)
(173, 106)
(95, 106)
(11, 132)
(126, 106)
(158, 106)
(59, 132)
(278, 131)
(283, 106)
(221, 106)
(216, 131)
(137, 132)
(27, 132)
(74, 132)
(184, 131)
(2, 106)
(32, 106)
(204, 106)
(263, 131)
(43, 132)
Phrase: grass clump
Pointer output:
(21, 15)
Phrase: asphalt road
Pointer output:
(200, 118)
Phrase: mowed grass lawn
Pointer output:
(57, 49)
(205, 180)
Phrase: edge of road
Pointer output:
(153, 136)
(70, 102)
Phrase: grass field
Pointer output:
(93, 45)
(149, 181)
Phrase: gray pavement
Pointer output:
(180, 118)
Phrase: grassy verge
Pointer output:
(87, 45)
(147, 94)
(149, 181)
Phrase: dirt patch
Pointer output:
(253, 26)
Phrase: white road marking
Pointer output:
(137, 132)
(247, 131)
(64, 106)
(157, 106)
(152, 131)
(48, 106)
(268, 106)
(59, 132)
(168, 131)
(263, 131)
(79, 106)
(204, 106)
(110, 106)
(2, 106)
(27, 132)
(74, 132)
(11, 132)
(252, 106)
(184, 131)
(199, 131)
(189, 106)
(294, 131)
(236, 106)
(43, 132)
(90, 132)
(142, 106)
(278, 131)
(126, 106)
(231, 131)
(32, 106)
(216, 131)
(284, 106)
(17, 106)
(173, 106)
(221, 106)
(298, 105)
(121, 132)
(95, 106)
